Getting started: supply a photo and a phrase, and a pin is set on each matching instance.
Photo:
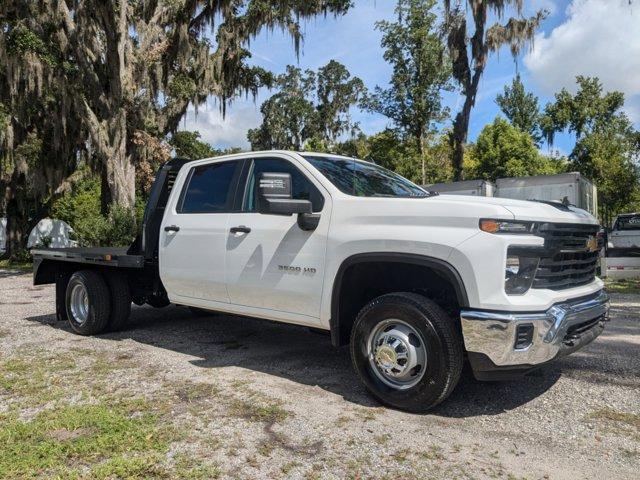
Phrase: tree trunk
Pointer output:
(17, 233)
(120, 170)
(461, 123)
(459, 137)
(105, 193)
(109, 139)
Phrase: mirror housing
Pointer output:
(274, 195)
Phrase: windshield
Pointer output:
(628, 223)
(364, 179)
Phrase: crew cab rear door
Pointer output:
(193, 233)
(272, 263)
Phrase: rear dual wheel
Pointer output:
(406, 351)
(97, 302)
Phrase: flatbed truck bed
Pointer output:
(108, 256)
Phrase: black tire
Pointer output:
(120, 300)
(444, 351)
(98, 302)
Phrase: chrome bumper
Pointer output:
(562, 329)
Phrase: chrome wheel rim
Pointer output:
(397, 354)
(79, 304)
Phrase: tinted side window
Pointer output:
(301, 186)
(209, 189)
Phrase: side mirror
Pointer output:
(274, 195)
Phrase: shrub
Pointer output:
(81, 210)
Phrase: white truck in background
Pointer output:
(623, 247)
(625, 232)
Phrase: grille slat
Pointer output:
(570, 264)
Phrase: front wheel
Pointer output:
(407, 351)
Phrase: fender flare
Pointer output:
(442, 267)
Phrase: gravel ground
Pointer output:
(576, 418)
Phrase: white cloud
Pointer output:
(598, 38)
(230, 131)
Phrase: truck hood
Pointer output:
(528, 210)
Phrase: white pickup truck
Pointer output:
(416, 283)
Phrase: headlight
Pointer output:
(506, 226)
(519, 273)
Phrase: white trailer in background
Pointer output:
(570, 188)
(480, 188)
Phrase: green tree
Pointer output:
(337, 92)
(606, 156)
(470, 50)
(288, 116)
(308, 107)
(583, 113)
(421, 70)
(521, 108)
(188, 145)
(607, 146)
(502, 150)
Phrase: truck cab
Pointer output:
(414, 282)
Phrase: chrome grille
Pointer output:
(570, 262)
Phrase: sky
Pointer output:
(578, 37)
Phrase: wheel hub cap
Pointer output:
(79, 303)
(397, 354)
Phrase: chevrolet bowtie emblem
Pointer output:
(592, 244)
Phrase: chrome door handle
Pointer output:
(240, 229)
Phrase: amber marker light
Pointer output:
(489, 226)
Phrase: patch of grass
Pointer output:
(342, 420)
(630, 454)
(132, 467)
(287, 467)
(187, 467)
(382, 439)
(35, 381)
(55, 440)
(618, 422)
(194, 392)
(256, 411)
(367, 414)
(266, 448)
(622, 286)
(401, 455)
(21, 266)
(433, 453)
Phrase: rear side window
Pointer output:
(301, 186)
(209, 189)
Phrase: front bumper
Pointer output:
(505, 342)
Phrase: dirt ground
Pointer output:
(245, 398)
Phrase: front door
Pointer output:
(193, 234)
(272, 263)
